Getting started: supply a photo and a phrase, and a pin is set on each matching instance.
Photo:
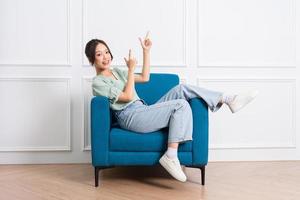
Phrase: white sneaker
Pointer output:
(173, 167)
(241, 100)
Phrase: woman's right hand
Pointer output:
(131, 62)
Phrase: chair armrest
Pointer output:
(100, 128)
(200, 131)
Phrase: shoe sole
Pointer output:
(166, 167)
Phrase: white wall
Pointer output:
(232, 46)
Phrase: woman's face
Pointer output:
(102, 57)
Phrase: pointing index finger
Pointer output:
(130, 55)
(147, 35)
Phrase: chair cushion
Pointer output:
(125, 140)
(158, 85)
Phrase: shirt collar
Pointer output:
(108, 79)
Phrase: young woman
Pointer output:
(172, 110)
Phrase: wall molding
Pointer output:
(242, 66)
(223, 66)
(65, 79)
(52, 64)
(86, 118)
(252, 146)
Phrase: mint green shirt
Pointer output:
(111, 88)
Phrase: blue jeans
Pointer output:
(171, 110)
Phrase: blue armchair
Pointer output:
(113, 146)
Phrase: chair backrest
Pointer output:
(158, 85)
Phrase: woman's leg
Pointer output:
(175, 114)
(185, 91)
(214, 99)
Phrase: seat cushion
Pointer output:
(124, 140)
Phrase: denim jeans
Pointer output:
(171, 110)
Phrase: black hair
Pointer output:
(90, 49)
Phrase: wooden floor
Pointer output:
(224, 180)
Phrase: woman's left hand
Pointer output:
(146, 43)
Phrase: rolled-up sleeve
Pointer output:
(122, 72)
(125, 73)
(114, 94)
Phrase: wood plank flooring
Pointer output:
(224, 180)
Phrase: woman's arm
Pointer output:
(127, 93)
(146, 45)
(145, 75)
